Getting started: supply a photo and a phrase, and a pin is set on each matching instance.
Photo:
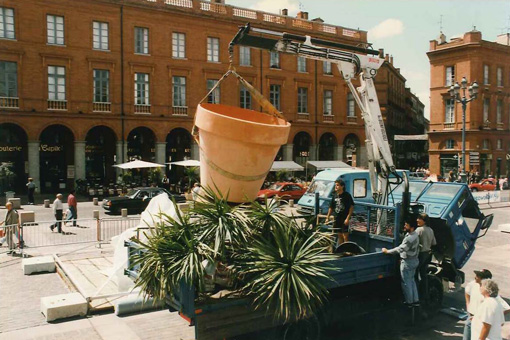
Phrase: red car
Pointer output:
(285, 190)
(488, 184)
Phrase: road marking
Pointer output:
(505, 228)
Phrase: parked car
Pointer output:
(488, 184)
(137, 199)
(285, 190)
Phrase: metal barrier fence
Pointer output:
(45, 233)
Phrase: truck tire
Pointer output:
(435, 293)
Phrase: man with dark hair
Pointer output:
(408, 251)
(343, 206)
(427, 240)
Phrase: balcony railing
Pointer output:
(143, 108)
(300, 23)
(328, 118)
(57, 105)
(9, 102)
(244, 13)
(212, 7)
(303, 116)
(101, 107)
(352, 119)
(180, 110)
(448, 126)
(275, 19)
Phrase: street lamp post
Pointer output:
(455, 94)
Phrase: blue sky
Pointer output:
(402, 27)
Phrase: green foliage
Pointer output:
(281, 266)
(282, 175)
(7, 176)
(155, 175)
(192, 174)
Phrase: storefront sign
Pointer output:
(485, 197)
(11, 148)
(52, 148)
(70, 171)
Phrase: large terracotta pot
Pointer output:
(237, 148)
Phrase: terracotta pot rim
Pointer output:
(244, 121)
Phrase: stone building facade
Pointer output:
(487, 117)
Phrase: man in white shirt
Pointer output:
(489, 316)
(58, 209)
(474, 299)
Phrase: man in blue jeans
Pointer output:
(408, 250)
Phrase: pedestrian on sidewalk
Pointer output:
(408, 250)
(11, 222)
(31, 190)
(427, 240)
(73, 207)
(489, 315)
(58, 209)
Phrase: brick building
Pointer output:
(87, 84)
(487, 117)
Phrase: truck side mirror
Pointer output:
(487, 221)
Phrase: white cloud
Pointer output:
(387, 28)
(274, 6)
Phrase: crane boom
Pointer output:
(353, 62)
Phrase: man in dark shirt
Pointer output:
(343, 206)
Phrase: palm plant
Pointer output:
(192, 174)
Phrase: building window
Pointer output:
(55, 29)
(213, 49)
(499, 112)
(244, 56)
(179, 84)
(351, 110)
(8, 79)
(302, 106)
(326, 67)
(301, 64)
(450, 76)
(142, 89)
(245, 98)
(100, 35)
(56, 83)
(214, 96)
(450, 144)
(274, 60)
(485, 144)
(486, 74)
(7, 23)
(328, 102)
(499, 144)
(499, 76)
(178, 45)
(486, 105)
(274, 96)
(101, 86)
(141, 40)
(449, 116)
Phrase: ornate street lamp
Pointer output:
(455, 94)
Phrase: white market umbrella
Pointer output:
(189, 162)
(138, 165)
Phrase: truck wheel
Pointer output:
(435, 293)
(309, 329)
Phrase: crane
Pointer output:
(353, 62)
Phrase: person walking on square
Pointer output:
(58, 209)
(427, 240)
(489, 316)
(11, 221)
(342, 205)
(73, 207)
(31, 190)
(408, 251)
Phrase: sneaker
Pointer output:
(52, 227)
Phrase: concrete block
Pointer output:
(16, 202)
(291, 203)
(26, 216)
(95, 201)
(38, 264)
(184, 207)
(46, 203)
(135, 304)
(95, 214)
(123, 212)
(63, 306)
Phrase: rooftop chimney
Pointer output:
(391, 59)
(381, 52)
(302, 15)
(284, 11)
(387, 57)
(503, 39)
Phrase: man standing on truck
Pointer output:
(427, 240)
(343, 206)
(408, 250)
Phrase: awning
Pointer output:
(138, 165)
(321, 165)
(412, 137)
(189, 162)
(286, 165)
